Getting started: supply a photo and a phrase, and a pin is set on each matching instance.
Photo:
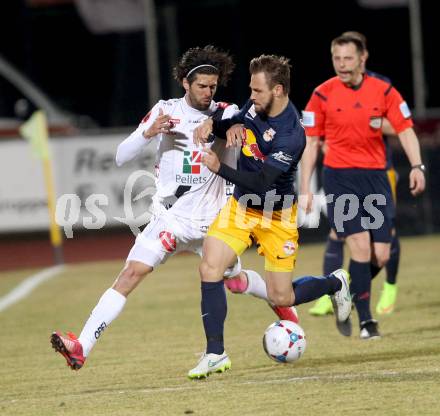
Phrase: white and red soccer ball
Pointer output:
(284, 341)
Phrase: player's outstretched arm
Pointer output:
(154, 123)
(256, 182)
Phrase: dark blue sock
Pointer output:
(360, 288)
(309, 288)
(214, 308)
(375, 270)
(392, 266)
(333, 256)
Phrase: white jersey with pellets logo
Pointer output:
(182, 181)
(188, 195)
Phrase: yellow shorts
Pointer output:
(392, 179)
(276, 235)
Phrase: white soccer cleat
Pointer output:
(210, 363)
(341, 301)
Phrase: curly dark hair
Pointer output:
(208, 55)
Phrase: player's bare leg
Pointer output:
(75, 350)
(283, 291)
(249, 282)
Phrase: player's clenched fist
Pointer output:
(201, 133)
(235, 135)
(417, 182)
(210, 160)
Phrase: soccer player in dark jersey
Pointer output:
(348, 110)
(334, 251)
(263, 207)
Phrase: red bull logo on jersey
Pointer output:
(192, 161)
(250, 146)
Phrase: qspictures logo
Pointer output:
(192, 161)
(345, 207)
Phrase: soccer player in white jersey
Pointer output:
(187, 199)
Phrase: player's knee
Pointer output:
(130, 277)
(136, 271)
(280, 298)
(382, 259)
(360, 247)
(363, 248)
(209, 272)
(129, 274)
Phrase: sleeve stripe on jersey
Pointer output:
(388, 90)
(322, 97)
(222, 104)
(146, 117)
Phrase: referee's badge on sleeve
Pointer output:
(404, 109)
(308, 119)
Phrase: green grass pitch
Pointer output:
(139, 365)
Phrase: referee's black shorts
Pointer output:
(359, 200)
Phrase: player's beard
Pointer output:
(198, 104)
(202, 106)
(264, 111)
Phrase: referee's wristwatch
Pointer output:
(421, 167)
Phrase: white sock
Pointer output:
(108, 308)
(256, 285)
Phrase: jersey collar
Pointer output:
(358, 87)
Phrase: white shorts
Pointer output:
(166, 235)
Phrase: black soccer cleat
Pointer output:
(369, 330)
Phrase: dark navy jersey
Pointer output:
(276, 141)
(388, 152)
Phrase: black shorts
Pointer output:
(359, 200)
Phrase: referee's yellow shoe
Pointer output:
(387, 300)
(323, 306)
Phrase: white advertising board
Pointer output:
(82, 166)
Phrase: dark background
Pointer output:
(104, 76)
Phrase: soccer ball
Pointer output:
(284, 341)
